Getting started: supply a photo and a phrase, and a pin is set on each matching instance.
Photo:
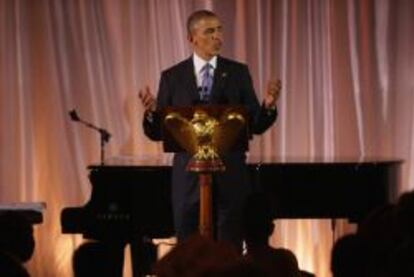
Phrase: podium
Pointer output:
(206, 132)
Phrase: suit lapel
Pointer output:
(189, 80)
(220, 78)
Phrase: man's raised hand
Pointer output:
(147, 99)
(272, 94)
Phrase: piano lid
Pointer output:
(141, 160)
(255, 159)
(166, 160)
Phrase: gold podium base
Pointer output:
(205, 166)
(204, 169)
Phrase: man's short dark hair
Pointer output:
(197, 16)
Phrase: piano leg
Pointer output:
(143, 256)
(117, 250)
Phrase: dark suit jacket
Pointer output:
(232, 85)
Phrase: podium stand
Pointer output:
(206, 132)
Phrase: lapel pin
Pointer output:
(224, 74)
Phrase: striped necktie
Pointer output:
(206, 82)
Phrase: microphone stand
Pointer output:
(104, 134)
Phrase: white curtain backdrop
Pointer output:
(346, 68)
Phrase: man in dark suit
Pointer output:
(206, 77)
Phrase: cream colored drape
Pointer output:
(346, 67)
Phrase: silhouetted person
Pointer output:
(11, 266)
(348, 257)
(97, 259)
(401, 260)
(201, 256)
(381, 235)
(16, 236)
(405, 214)
(258, 226)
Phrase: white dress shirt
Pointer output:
(199, 63)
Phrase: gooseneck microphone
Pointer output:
(104, 134)
(74, 115)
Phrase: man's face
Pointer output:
(207, 37)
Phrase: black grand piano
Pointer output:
(131, 197)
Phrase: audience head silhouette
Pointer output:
(201, 256)
(400, 262)
(96, 259)
(383, 245)
(16, 236)
(11, 266)
(405, 214)
(348, 257)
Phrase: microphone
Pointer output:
(203, 97)
(74, 115)
(104, 134)
(200, 89)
